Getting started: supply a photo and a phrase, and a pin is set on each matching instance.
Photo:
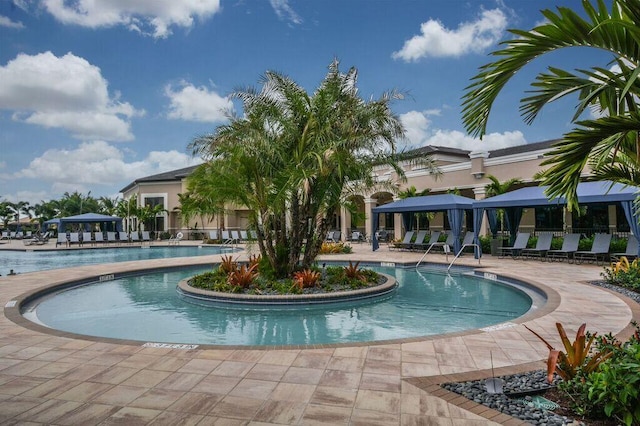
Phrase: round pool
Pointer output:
(148, 308)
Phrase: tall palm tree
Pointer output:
(601, 143)
(295, 158)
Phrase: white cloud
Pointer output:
(419, 133)
(64, 92)
(93, 164)
(153, 17)
(285, 11)
(192, 103)
(8, 23)
(437, 41)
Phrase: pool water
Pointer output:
(41, 260)
(149, 309)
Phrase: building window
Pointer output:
(549, 218)
(593, 219)
(154, 201)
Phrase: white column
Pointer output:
(369, 204)
(480, 193)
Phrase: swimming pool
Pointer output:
(41, 260)
(148, 308)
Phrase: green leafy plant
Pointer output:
(306, 278)
(624, 273)
(576, 358)
(255, 259)
(244, 276)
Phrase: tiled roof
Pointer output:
(173, 175)
(519, 149)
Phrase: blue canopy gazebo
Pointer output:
(600, 192)
(454, 205)
(107, 222)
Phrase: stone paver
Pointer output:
(47, 377)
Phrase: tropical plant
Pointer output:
(495, 187)
(624, 273)
(576, 359)
(243, 277)
(607, 144)
(306, 278)
(353, 271)
(254, 259)
(293, 159)
(334, 248)
(228, 264)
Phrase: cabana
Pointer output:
(108, 223)
(601, 192)
(454, 205)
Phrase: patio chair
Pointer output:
(146, 237)
(631, 251)
(134, 237)
(213, 235)
(447, 243)
(98, 237)
(86, 238)
(356, 236)
(5, 235)
(123, 237)
(467, 241)
(37, 239)
(74, 238)
(62, 239)
(543, 245)
(519, 244)
(226, 238)
(417, 243)
(244, 236)
(176, 240)
(253, 234)
(405, 241)
(430, 243)
(569, 247)
(111, 237)
(235, 236)
(599, 250)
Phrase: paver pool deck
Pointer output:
(54, 379)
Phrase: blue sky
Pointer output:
(97, 93)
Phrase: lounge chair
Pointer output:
(519, 244)
(235, 236)
(62, 239)
(543, 245)
(146, 238)
(134, 237)
(226, 238)
(111, 237)
(176, 240)
(599, 250)
(98, 237)
(430, 243)
(405, 241)
(244, 236)
(467, 241)
(5, 235)
(447, 245)
(123, 237)
(569, 247)
(74, 238)
(253, 234)
(329, 236)
(86, 238)
(213, 235)
(418, 242)
(631, 252)
(356, 236)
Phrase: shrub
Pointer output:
(353, 272)
(228, 265)
(624, 273)
(576, 359)
(613, 390)
(244, 276)
(333, 248)
(306, 278)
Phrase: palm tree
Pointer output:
(608, 144)
(294, 158)
(108, 205)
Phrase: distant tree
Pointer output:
(108, 205)
(498, 188)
